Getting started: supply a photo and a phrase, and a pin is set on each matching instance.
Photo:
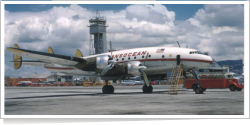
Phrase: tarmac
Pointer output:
(126, 100)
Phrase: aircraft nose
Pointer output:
(211, 59)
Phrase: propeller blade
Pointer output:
(146, 59)
(107, 68)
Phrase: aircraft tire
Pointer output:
(198, 90)
(111, 89)
(108, 89)
(105, 89)
(203, 89)
(146, 89)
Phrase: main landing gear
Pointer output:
(108, 89)
(197, 88)
(147, 88)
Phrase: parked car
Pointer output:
(153, 82)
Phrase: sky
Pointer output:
(214, 28)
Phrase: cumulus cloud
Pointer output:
(217, 29)
(221, 15)
(155, 14)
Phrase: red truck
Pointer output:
(211, 82)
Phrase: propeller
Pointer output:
(112, 64)
(142, 68)
(146, 59)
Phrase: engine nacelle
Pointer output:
(134, 68)
(102, 61)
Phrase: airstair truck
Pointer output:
(217, 81)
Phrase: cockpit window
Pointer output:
(195, 52)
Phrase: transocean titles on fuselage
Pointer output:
(140, 53)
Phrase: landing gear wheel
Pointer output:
(146, 89)
(198, 90)
(108, 89)
(203, 89)
(105, 89)
(232, 88)
(111, 89)
(194, 87)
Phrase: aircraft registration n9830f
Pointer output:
(150, 63)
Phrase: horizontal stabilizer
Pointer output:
(31, 62)
(47, 57)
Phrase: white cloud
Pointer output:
(217, 30)
(155, 14)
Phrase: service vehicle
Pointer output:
(216, 81)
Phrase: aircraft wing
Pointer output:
(43, 57)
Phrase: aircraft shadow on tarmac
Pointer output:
(87, 94)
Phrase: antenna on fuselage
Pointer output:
(178, 44)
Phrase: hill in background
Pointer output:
(235, 66)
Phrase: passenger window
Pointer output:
(149, 56)
(135, 57)
(117, 59)
(128, 58)
(163, 56)
(122, 59)
(142, 56)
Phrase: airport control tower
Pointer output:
(97, 28)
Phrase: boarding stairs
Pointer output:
(177, 72)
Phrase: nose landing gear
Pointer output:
(197, 89)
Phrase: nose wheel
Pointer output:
(198, 90)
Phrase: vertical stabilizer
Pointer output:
(78, 53)
(17, 59)
(50, 50)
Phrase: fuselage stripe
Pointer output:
(167, 59)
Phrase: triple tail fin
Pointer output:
(50, 50)
(78, 53)
(17, 59)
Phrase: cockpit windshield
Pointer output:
(198, 52)
(195, 52)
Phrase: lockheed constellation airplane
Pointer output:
(150, 63)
